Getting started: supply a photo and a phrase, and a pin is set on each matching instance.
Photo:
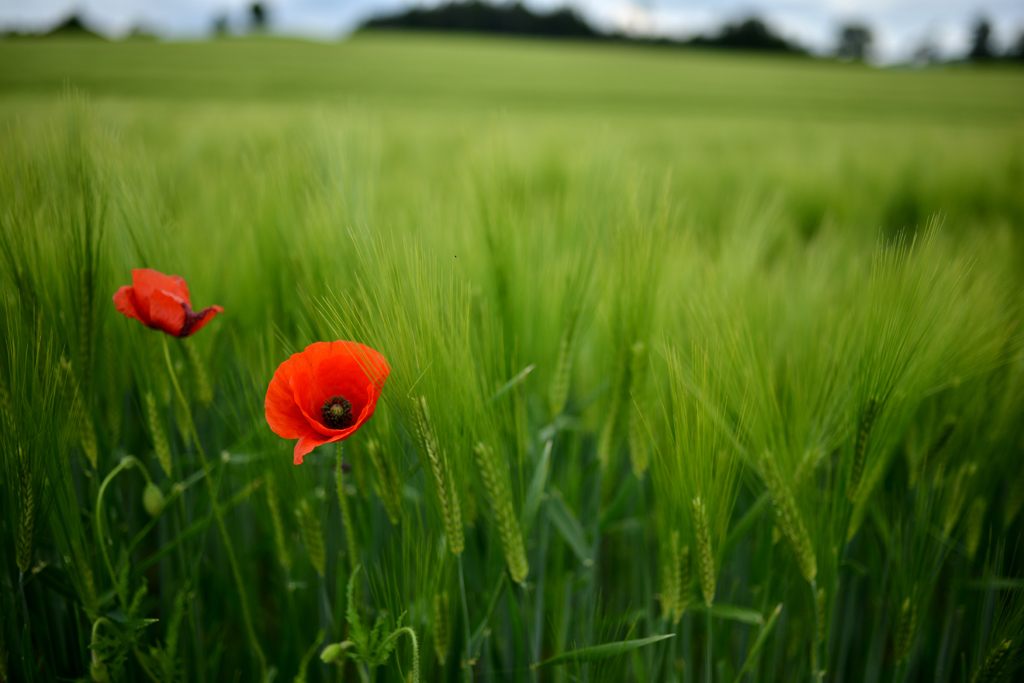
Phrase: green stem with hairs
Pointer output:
(415, 649)
(817, 636)
(346, 513)
(707, 659)
(125, 463)
(465, 621)
(236, 573)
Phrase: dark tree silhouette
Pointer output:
(980, 48)
(483, 17)
(1017, 51)
(220, 25)
(258, 16)
(854, 42)
(480, 17)
(750, 34)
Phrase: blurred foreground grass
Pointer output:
(684, 323)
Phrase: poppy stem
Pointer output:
(346, 513)
(465, 617)
(125, 463)
(236, 573)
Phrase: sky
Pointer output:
(900, 27)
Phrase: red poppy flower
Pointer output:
(163, 303)
(325, 393)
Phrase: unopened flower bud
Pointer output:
(332, 652)
(98, 671)
(153, 499)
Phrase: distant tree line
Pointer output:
(854, 40)
(476, 16)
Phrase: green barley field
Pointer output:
(700, 366)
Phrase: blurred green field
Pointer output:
(701, 334)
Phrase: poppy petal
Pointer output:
(197, 321)
(124, 302)
(147, 281)
(339, 376)
(283, 415)
(166, 312)
(304, 394)
(306, 444)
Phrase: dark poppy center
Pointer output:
(337, 412)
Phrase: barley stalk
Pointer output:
(788, 517)
(861, 447)
(156, 429)
(88, 439)
(992, 668)
(3, 657)
(312, 536)
(346, 512)
(562, 377)
(821, 605)
(442, 626)
(957, 498)
(675, 588)
(81, 427)
(202, 382)
(975, 521)
(275, 520)
(453, 528)
(905, 630)
(447, 498)
(702, 533)
(26, 528)
(609, 438)
(496, 482)
(389, 488)
(1014, 501)
(639, 454)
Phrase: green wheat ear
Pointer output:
(161, 445)
(26, 526)
(389, 487)
(639, 452)
(442, 626)
(675, 579)
(992, 669)
(496, 482)
(788, 517)
(312, 536)
(275, 520)
(861, 447)
(447, 496)
(702, 532)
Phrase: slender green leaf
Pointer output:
(598, 652)
(569, 526)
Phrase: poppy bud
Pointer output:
(98, 671)
(153, 499)
(333, 652)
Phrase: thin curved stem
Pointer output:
(346, 512)
(707, 662)
(415, 650)
(817, 636)
(236, 573)
(465, 619)
(125, 463)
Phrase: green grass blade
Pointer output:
(759, 643)
(736, 613)
(599, 652)
(570, 528)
